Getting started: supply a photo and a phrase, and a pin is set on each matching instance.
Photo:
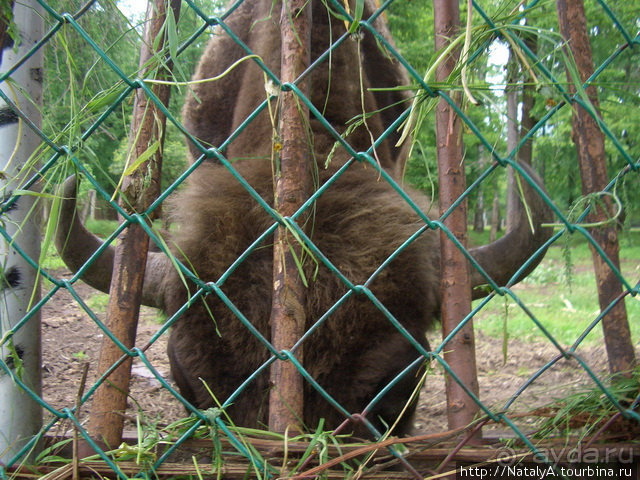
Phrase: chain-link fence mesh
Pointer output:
(67, 151)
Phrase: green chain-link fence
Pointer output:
(57, 157)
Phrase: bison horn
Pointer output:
(76, 245)
(501, 259)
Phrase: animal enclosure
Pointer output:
(361, 254)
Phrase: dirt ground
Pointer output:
(70, 339)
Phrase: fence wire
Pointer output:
(57, 158)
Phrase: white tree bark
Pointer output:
(20, 415)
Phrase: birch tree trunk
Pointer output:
(20, 415)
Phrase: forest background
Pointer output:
(70, 67)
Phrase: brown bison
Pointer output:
(358, 223)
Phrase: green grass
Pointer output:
(98, 302)
(101, 228)
(52, 261)
(561, 293)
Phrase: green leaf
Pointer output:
(357, 16)
(148, 153)
(173, 40)
(104, 99)
(52, 224)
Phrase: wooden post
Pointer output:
(292, 188)
(138, 191)
(455, 286)
(589, 141)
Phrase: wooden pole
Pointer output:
(455, 283)
(138, 191)
(292, 188)
(589, 141)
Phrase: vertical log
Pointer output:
(455, 288)
(138, 191)
(20, 416)
(292, 188)
(589, 141)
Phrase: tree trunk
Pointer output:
(455, 282)
(139, 189)
(20, 415)
(101, 209)
(87, 206)
(478, 215)
(292, 188)
(589, 141)
(525, 154)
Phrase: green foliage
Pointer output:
(7, 17)
(79, 85)
(51, 260)
(480, 238)
(174, 157)
(554, 155)
(81, 356)
(412, 24)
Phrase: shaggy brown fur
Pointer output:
(357, 224)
